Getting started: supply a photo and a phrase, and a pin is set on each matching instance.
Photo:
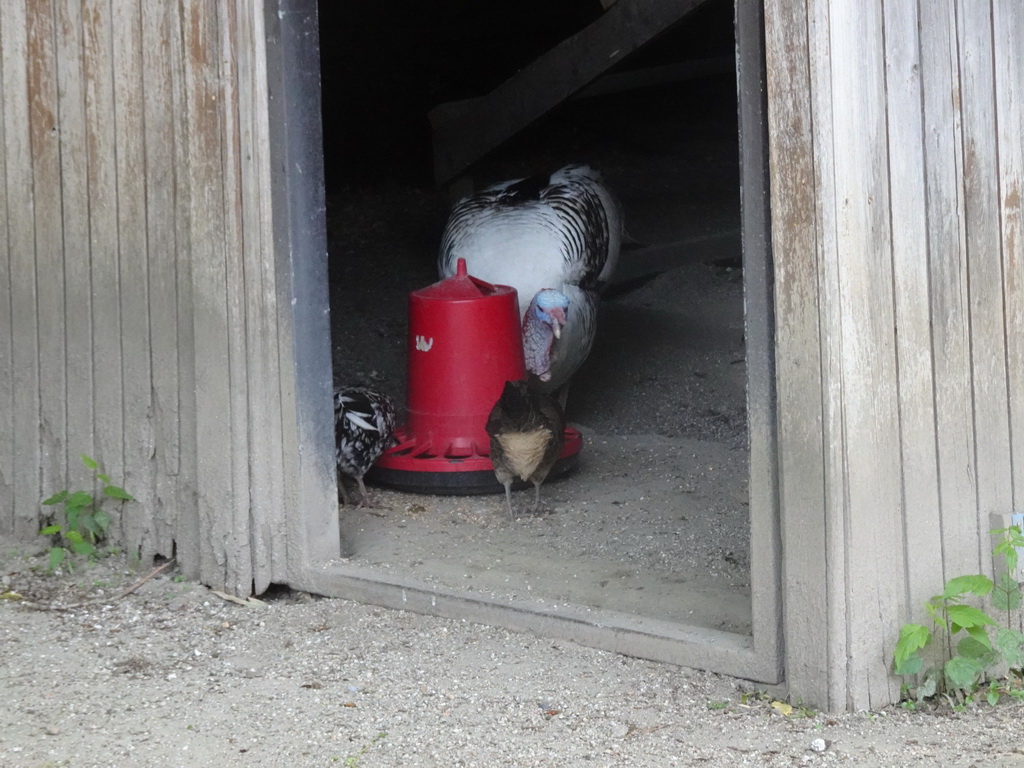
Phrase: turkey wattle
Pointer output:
(556, 240)
(364, 427)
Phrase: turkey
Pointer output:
(556, 240)
(527, 430)
(364, 427)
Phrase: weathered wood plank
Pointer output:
(108, 393)
(830, 302)
(874, 602)
(239, 545)
(465, 133)
(906, 160)
(77, 241)
(1008, 41)
(15, 50)
(161, 194)
(949, 292)
(133, 278)
(984, 264)
(266, 459)
(797, 351)
(209, 288)
(300, 243)
(46, 182)
(186, 526)
(6, 339)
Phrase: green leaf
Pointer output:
(57, 555)
(992, 697)
(910, 666)
(57, 498)
(1009, 553)
(103, 478)
(1010, 643)
(118, 493)
(962, 673)
(1011, 559)
(978, 648)
(964, 616)
(1006, 595)
(102, 521)
(91, 527)
(50, 530)
(82, 548)
(963, 585)
(978, 652)
(80, 499)
(1012, 536)
(913, 637)
(980, 636)
(89, 462)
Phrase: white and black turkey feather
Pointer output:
(364, 427)
(556, 240)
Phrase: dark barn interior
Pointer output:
(654, 523)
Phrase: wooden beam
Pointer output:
(662, 74)
(798, 355)
(766, 553)
(466, 131)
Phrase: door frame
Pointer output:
(314, 542)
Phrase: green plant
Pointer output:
(751, 696)
(971, 642)
(353, 760)
(806, 712)
(85, 520)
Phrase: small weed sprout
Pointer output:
(85, 520)
(973, 643)
(352, 761)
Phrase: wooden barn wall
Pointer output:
(139, 290)
(896, 174)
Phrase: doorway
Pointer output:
(664, 542)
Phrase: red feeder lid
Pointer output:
(461, 287)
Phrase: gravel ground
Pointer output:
(174, 675)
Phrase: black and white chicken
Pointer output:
(527, 431)
(556, 240)
(364, 427)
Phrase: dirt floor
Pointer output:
(655, 520)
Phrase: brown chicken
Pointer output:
(527, 430)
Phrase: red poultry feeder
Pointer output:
(464, 344)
